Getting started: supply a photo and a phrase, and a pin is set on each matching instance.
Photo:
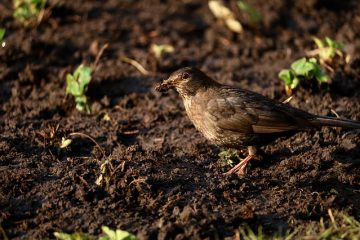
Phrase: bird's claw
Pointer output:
(240, 168)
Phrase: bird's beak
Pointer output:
(165, 85)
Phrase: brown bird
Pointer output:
(233, 117)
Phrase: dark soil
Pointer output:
(169, 180)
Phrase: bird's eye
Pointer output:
(185, 76)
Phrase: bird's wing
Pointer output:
(248, 112)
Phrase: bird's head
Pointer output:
(187, 81)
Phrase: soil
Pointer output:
(167, 181)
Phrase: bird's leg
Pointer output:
(240, 168)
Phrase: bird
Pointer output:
(236, 118)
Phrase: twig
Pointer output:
(136, 64)
(335, 113)
(139, 180)
(93, 140)
(328, 67)
(315, 52)
(288, 100)
(40, 17)
(98, 56)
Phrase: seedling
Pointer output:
(28, 11)
(106, 171)
(116, 235)
(2, 36)
(48, 134)
(65, 142)
(254, 15)
(158, 50)
(327, 49)
(302, 70)
(77, 84)
(73, 236)
(228, 157)
(224, 14)
(106, 117)
(106, 168)
(108, 234)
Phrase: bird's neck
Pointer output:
(190, 90)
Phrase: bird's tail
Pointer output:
(335, 122)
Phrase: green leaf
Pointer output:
(287, 76)
(83, 75)
(74, 236)
(333, 44)
(77, 84)
(302, 67)
(319, 43)
(228, 157)
(327, 49)
(82, 107)
(27, 11)
(320, 75)
(81, 99)
(106, 117)
(116, 235)
(81, 103)
(72, 86)
(65, 142)
(2, 33)
(158, 50)
(313, 60)
(318, 72)
(295, 83)
(326, 234)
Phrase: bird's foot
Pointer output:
(240, 168)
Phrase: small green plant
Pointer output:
(229, 157)
(254, 15)
(73, 236)
(65, 142)
(106, 167)
(116, 235)
(158, 50)
(302, 70)
(224, 14)
(77, 84)
(108, 234)
(327, 49)
(28, 11)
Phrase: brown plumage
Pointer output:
(234, 117)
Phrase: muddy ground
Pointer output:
(168, 180)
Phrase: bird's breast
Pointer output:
(196, 111)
